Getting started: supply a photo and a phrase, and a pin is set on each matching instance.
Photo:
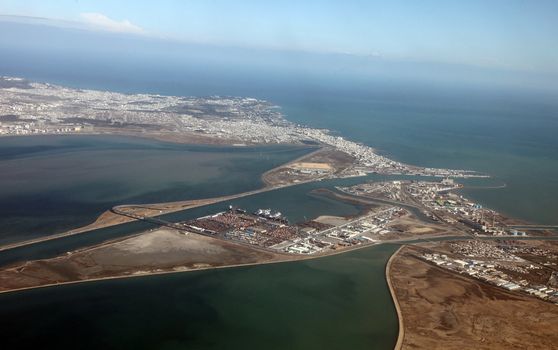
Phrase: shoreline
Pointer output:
(285, 258)
(170, 137)
(179, 205)
(400, 242)
(263, 177)
(156, 273)
(210, 201)
(149, 274)
(441, 308)
(293, 258)
(401, 332)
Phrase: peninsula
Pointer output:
(458, 259)
(30, 108)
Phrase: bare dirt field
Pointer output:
(162, 250)
(315, 166)
(444, 310)
(331, 220)
(326, 160)
(150, 210)
(170, 136)
(408, 226)
(109, 218)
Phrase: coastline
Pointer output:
(89, 227)
(108, 278)
(267, 183)
(288, 258)
(171, 206)
(178, 206)
(401, 332)
(390, 264)
(450, 310)
(156, 273)
(111, 218)
(284, 258)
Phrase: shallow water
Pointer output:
(54, 183)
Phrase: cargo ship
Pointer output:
(271, 215)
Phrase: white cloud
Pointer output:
(100, 21)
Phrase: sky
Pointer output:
(506, 34)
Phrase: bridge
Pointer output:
(160, 222)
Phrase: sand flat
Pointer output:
(161, 250)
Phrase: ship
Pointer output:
(271, 215)
(234, 209)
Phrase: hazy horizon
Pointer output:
(48, 44)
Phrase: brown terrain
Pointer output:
(407, 226)
(410, 227)
(167, 250)
(444, 310)
(326, 160)
(158, 251)
(109, 218)
(167, 136)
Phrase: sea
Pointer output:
(338, 302)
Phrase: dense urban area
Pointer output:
(500, 259)
(513, 265)
(29, 108)
(439, 202)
